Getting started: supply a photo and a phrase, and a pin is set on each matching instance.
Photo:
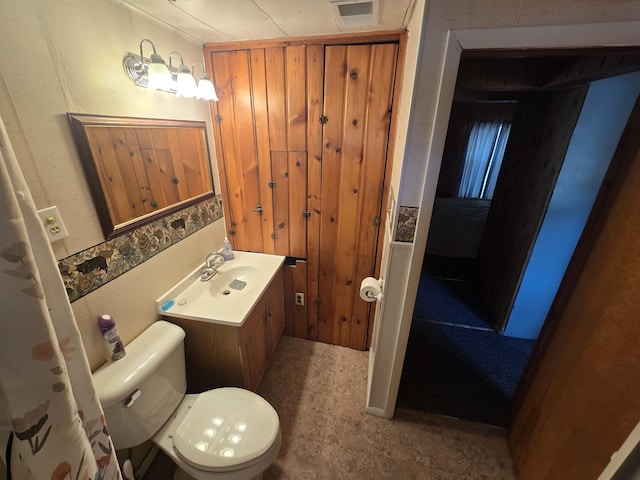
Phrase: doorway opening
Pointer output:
(472, 333)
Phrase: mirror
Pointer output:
(139, 169)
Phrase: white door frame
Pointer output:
(387, 358)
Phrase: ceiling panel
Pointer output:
(301, 17)
(226, 20)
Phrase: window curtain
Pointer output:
(46, 389)
(483, 158)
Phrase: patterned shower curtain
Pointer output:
(46, 390)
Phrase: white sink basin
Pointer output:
(228, 297)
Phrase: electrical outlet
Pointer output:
(53, 223)
(300, 299)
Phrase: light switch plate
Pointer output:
(53, 225)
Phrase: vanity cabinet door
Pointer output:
(254, 351)
(259, 335)
(275, 312)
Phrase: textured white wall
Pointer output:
(61, 56)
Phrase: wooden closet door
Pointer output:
(240, 128)
(261, 123)
(286, 79)
(358, 95)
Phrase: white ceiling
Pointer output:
(231, 20)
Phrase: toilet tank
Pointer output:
(140, 391)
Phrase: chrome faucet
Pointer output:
(214, 261)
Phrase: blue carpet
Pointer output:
(455, 364)
(450, 301)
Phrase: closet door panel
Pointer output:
(376, 141)
(350, 202)
(297, 171)
(289, 174)
(332, 159)
(286, 80)
(287, 97)
(280, 175)
(296, 84)
(261, 118)
(237, 148)
(315, 76)
(277, 100)
(359, 81)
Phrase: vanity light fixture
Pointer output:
(185, 84)
(206, 91)
(154, 74)
(157, 71)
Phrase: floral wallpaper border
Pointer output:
(89, 269)
(407, 220)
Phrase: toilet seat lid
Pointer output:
(226, 427)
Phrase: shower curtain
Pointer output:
(46, 390)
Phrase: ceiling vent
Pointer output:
(356, 13)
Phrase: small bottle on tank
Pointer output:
(112, 340)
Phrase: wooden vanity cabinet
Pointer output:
(259, 336)
(223, 355)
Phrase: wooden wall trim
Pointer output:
(337, 39)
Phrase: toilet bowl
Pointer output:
(225, 433)
(189, 428)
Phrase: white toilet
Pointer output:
(226, 433)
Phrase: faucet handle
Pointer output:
(214, 259)
(206, 273)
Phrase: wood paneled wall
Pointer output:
(240, 140)
(296, 186)
(579, 401)
(540, 135)
(358, 96)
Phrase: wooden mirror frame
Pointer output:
(83, 127)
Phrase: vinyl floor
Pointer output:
(319, 392)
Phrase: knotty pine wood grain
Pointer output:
(138, 165)
(315, 79)
(332, 159)
(359, 85)
(297, 190)
(280, 175)
(259, 95)
(236, 149)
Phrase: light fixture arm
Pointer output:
(181, 59)
(193, 69)
(154, 57)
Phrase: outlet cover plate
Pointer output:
(53, 225)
